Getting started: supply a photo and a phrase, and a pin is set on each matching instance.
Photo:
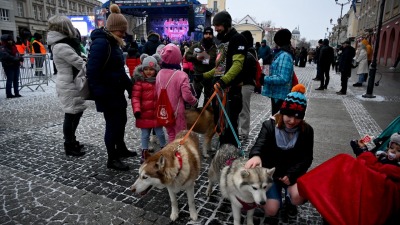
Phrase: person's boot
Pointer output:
(117, 164)
(124, 152)
(72, 150)
(271, 220)
(144, 151)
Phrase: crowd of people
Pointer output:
(229, 68)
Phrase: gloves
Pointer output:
(219, 85)
(137, 115)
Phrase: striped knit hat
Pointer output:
(295, 103)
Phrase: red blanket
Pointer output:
(356, 191)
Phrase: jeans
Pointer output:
(71, 122)
(146, 136)
(115, 130)
(362, 78)
(244, 116)
(12, 74)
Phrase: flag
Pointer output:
(353, 4)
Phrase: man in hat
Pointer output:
(264, 53)
(228, 72)
(203, 55)
(345, 64)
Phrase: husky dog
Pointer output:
(174, 167)
(205, 125)
(245, 188)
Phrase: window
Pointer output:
(4, 15)
(40, 13)
(20, 8)
(61, 3)
(215, 5)
(34, 12)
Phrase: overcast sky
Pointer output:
(312, 16)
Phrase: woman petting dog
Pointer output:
(285, 142)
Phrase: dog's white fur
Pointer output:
(163, 170)
(236, 182)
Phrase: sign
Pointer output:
(150, 2)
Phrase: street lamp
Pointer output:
(372, 68)
(340, 19)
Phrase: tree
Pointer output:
(303, 43)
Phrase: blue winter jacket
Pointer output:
(279, 82)
(106, 73)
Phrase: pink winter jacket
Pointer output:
(178, 88)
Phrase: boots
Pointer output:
(117, 164)
(144, 151)
(124, 152)
(72, 150)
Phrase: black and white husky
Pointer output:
(245, 188)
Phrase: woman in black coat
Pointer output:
(108, 83)
(10, 60)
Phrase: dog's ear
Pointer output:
(161, 162)
(244, 173)
(271, 171)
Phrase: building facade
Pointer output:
(32, 15)
(248, 23)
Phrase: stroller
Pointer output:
(358, 191)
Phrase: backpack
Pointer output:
(81, 80)
(258, 77)
(164, 113)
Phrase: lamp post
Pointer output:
(372, 70)
(340, 19)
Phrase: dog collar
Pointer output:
(178, 155)
(247, 206)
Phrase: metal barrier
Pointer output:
(35, 71)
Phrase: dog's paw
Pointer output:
(174, 215)
(193, 215)
(205, 155)
(208, 191)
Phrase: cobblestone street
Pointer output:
(39, 184)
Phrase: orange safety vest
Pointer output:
(42, 48)
(21, 49)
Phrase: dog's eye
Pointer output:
(144, 177)
(254, 188)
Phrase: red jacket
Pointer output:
(132, 63)
(144, 99)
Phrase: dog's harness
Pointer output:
(178, 155)
(247, 206)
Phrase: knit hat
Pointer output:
(320, 41)
(395, 138)
(264, 41)
(208, 30)
(223, 18)
(171, 54)
(282, 37)
(150, 61)
(249, 38)
(295, 103)
(116, 21)
(62, 24)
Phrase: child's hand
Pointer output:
(137, 115)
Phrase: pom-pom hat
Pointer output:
(295, 103)
(116, 21)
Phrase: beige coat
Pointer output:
(362, 60)
(65, 58)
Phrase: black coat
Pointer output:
(292, 162)
(106, 72)
(326, 56)
(345, 63)
(153, 41)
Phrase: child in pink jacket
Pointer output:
(178, 89)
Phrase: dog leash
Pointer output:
(230, 125)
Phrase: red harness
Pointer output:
(247, 206)
(178, 155)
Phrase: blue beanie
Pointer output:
(295, 103)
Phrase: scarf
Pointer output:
(286, 138)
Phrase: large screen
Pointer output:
(173, 29)
(85, 24)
